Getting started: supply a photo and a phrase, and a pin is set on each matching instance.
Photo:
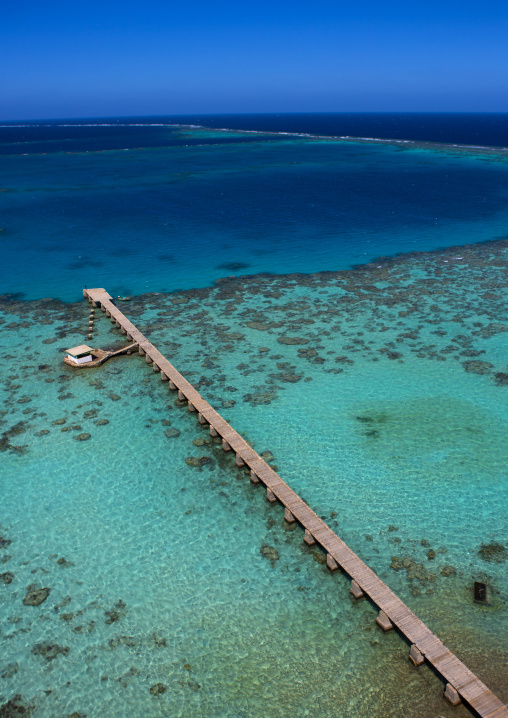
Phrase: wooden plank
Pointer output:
(500, 712)
(487, 703)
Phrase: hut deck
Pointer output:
(101, 356)
(453, 671)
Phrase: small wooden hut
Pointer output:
(80, 355)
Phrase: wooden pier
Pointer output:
(460, 683)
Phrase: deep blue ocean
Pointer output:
(343, 293)
(167, 203)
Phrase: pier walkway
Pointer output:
(461, 683)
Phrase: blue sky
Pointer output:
(68, 59)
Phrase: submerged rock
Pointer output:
(158, 689)
(292, 340)
(82, 437)
(202, 441)
(269, 552)
(172, 433)
(491, 330)
(267, 456)
(396, 564)
(477, 366)
(63, 563)
(493, 552)
(35, 596)
(116, 613)
(448, 571)
(288, 377)
(7, 577)
(260, 397)
(49, 651)
(198, 460)
(10, 671)
(307, 353)
(289, 526)
(260, 326)
(15, 707)
(415, 571)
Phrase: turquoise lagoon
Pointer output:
(175, 589)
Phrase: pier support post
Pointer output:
(288, 516)
(213, 432)
(270, 496)
(384, 622)
(123, 330)
(164, 377)
(254, 478)
(225, 445)
(181, 395)
(141, 351)
(331, 562)
(103, 308)
(356, 591)
(201, 418)
(309, 538)
(117, 323)
(191, 406)
(129, 337)
(156, 367)
(172, 386)
(108, 313)
(452, 695)
(239, 461)
(148, 358)
(415, 656)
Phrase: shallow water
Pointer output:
(381, 394)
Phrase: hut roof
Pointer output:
(79, 351)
